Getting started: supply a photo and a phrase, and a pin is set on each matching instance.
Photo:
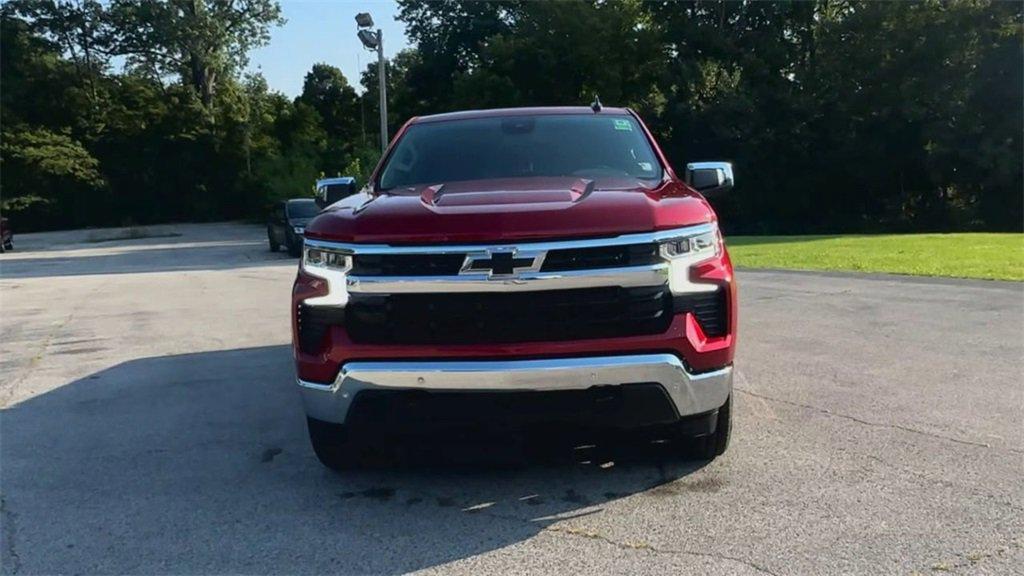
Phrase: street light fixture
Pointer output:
(368, 38)
(364, 20)
(375, 41)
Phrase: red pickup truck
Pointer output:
(519, 265)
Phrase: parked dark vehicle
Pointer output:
(288, 223)
(6, 236)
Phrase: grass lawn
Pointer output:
(968, 255)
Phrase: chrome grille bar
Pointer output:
(641, 238)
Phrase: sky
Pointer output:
(324, 31)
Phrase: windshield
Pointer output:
(586, 146)
(302, 209)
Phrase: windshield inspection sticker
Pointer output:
(623, 125)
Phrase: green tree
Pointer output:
(201, 41)
(403, 102)
(839, 114)
(846, 115)
(79, 28)
(52, 172)
(327, 91)
(557, 53)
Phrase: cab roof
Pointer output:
(338, 180)
(530, 111)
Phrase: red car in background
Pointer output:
(6, 236)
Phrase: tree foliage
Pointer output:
(175, 135)
(46, 160)
(840, 115)
(200, 41)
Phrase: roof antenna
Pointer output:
(596, 104)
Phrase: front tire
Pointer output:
(715, 444)
(332, 445)
(274, 246)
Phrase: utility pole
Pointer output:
(382, 77)
(375, 41)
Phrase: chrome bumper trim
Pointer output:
(690, 393)
(634, 276)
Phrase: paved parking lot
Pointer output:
(150, 425)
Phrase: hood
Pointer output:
(510, 210)
(299, 221)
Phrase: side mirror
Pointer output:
(331, 193)
(710, 178)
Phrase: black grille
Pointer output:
(710, 308)
(601, 257)
(556, 261)
(477, 318)
(407, 264)
(313, 323)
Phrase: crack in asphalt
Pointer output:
(584, 533)
(973, 559)
(646, 546)
(624, 545)
(27, 370)
(828, 412)
(7, 523)
(945, 482)
(719, 556)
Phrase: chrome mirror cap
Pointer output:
(710, 178)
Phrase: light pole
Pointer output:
(375, 41)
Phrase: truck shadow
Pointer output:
(199, 463)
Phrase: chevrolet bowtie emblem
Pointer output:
(501, 263)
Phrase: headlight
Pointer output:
(298, 229)
(331, 266)
(313, 257)
(685, 251)
(695, 247)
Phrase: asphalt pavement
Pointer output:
(150, 424)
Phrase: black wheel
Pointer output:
(332, 445)
(715, 444)
(274, 246)
(295, 247)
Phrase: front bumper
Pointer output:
(689, 393)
